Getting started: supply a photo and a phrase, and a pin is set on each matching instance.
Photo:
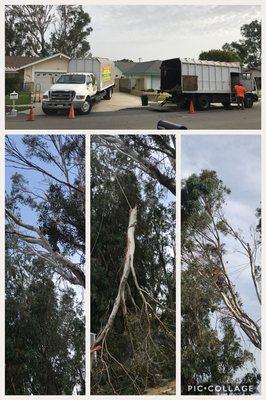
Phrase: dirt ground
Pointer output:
(168, 389)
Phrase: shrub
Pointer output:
(13, 84)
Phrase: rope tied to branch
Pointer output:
(122, 190)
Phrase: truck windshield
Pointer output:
(71, 79)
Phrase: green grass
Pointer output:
(23, 98)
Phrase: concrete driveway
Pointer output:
(119, 101)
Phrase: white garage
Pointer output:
(40, 74)
(43, 80)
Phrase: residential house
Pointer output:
(37, 74)
(145, 75)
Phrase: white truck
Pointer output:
(87, 81)
(205, 82)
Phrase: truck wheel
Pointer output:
(203, 102)
(226, 104)
(109, 94)
(86, 108)
(48, 111)
(248, 102)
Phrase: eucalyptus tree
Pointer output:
(132, 272)
(54, 228)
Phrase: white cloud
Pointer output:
(160, 32)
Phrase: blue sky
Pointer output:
(36, 180)
(237, 161)
(164, 31)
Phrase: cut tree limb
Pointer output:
(129, 258)
(66, 268)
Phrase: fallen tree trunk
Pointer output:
(128, 264)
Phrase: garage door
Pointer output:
(44, 80)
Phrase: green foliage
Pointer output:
(211, 351)
(124, 60)
(44, 330)
(200, 194)
(45, 327)
(219, 55)
(32, 23)
(15, 33)
(70, 37)
(12, 84)
(251, 379)
(249, 47)
(146, 367)
(41, 30)
(147, 362)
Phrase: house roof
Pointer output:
(14, 63)
(124, 66)
(146, 68)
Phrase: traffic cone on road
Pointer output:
(191, 107)
(71, 114)
(31, 116)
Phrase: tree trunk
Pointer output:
(128, 262)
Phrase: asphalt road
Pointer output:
(143, 118)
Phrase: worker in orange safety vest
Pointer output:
(240, 95)
(218, 277)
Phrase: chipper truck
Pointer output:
(205, 82)
(87, 81)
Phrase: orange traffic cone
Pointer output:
(191, 107)
(31, 116)
(71, 114)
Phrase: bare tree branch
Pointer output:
(65, 267)
(144, 164)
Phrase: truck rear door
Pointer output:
(171, 75)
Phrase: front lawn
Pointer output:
(23, 98)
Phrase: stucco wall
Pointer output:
(52, 65)
(150, 82)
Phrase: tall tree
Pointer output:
(249, 47)
(39, 30)
(219, 55)
(212, 355)
(71, 32)
(131, 287)
(204, 228)
(211, 351)
(45, 329)
(57, 204)
(15, 33)
(45, 338)
(34, 22)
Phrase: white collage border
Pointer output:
(178, 177)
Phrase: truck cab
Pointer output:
(77, 88)
(248, 81)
